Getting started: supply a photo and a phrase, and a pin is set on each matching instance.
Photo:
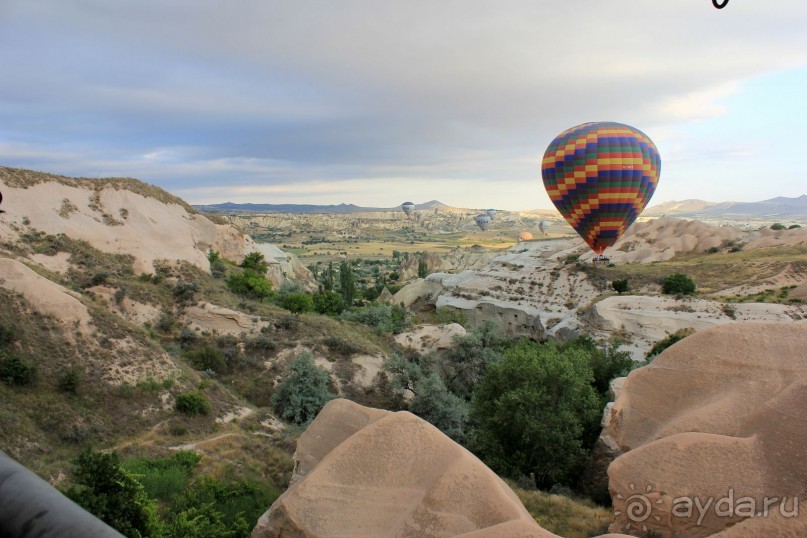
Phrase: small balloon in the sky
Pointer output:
(408, 208)
(483, 221)
(491, 213)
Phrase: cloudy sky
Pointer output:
(376, 102)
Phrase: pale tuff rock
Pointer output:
(719, 414)
(209, 317)
(368, 472)
(45, 296)
(119, 221)
(428, 338)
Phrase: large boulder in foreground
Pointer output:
(368, 472)
(711, 430)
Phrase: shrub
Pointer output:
(218, 269)
(666, 342)
(255, 261)
(620, 286)
(213, 256)
(434, 403)
(304, 392)
(446, 315)
(185, 291)
(16, 371)
(250, 283)
(340, 346)
(166, 323)
(381, 317)
(794, 226)
(298, 303)
(8, 334)
(105, 489)
(193, 403)
(206, 358)
(70, 380)
(678, 284)
(778, 226)
(328, 302)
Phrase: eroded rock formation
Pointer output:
(368, 472)
(716, 421)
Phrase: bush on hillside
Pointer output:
(193, 403)
(678, 284)
(304, 392)
(16, 371)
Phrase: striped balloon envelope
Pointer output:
(601, 176)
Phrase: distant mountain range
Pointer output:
(230, 207)
(780, 207)
(775, 208)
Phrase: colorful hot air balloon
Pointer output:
(483, 221)
(491, 213)
(408, 208)
(600, 176)
(524, 236)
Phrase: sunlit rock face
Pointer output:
(712, 431)
(368, 472)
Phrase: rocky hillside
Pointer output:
(124, 217)
(550, 288)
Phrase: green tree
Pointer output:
(620, 286)
(434, 403)
(255, 261)
(464, 364)
(532, 410)
(794, 226)
(328, 302)
(607, 362)
(105, 489)
(327, 278)
(298, 303)
(213, 256)
(678, 284)
(304, 392)
(347, 283)
(423, 269)
(778, 226)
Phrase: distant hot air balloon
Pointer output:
(408, 208)
(544, 226)
(483, 221)
(524, 236)
(600, 176)
(491, 213)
